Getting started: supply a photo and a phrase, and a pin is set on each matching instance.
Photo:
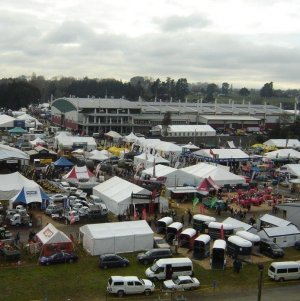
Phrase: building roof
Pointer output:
(229, 117)
(273, 220)
(281, 231)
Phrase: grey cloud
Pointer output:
(177, 23)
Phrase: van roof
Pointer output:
(173, 261)
(285, 263)
(123, 278)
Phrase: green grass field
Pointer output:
(85, 281)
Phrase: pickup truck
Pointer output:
(20, 219)
(9, 252)
(98, 212)
(54, 209)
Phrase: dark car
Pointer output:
(271, 249)
(153, 254)
(297, 245)
(59, 257)
(112, 261)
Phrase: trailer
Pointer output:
(201, 246)
(218, 256)
(173, 232)
(238, 246)
(186, 238)
(217, 230)
(200, 222)
(163, 223)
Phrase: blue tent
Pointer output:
(63, 162)
(30, 194)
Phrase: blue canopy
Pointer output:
(30, 194)
(63, 162)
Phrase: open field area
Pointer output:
(85, 281)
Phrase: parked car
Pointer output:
(83, 211)
(126, 285)
(297, 245)
(182, 283)
(57, 197)
(271, 249)
(154, 254)
(159, 242)
(54, 209)
(59, 257)
(112, 261)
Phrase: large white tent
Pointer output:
(222, 154)
(286, 153)
(149, 160)
(293, 169)
(116, 194)
(65, 140)
(131, 138)
(13, 183)
(120, 237)
(174, 177)
(283, 143)
(6, 121)
(219, 174)
(12, 153)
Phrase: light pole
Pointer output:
(260, 280)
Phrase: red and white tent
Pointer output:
(206, 185)
(79, 174)
(53, 240)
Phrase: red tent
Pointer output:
(79, 173)
(207, 184)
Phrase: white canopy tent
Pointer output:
(38, 141)
(113, 134)
(131, 138)
(286, 153)
(120, 237)
(149, 160)
(222, 154)
(219, 174)
(283, 143)
(293, 169)
(96, 155)
(29, 120)
(10, 153)
(174, 177)
(167, 148)
(116, 194)
(6, 121)
(65, 140)
(12, 184)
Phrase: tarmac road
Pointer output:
(282, 293)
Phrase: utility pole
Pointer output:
(260, 280)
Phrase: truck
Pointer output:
(5, 234)
(98, 212)
(20, 219)
(9, 251)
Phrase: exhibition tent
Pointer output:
(113, 134)
(119, 237)
(10, 153)
(79, 174)
(29, 194)
(11, 184)
(149, 160)
(131, 138)
(218, 173)
(284, 154)
(116, 194)
(293, 169)
(222, 154)
(63, 162)
(53, 240)
(37, 141)
(6, 121)
(167, 148)
(283, 143)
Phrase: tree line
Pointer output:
(22, 91)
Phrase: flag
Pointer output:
(135, 217)
(195, 202)
(222, 232)
(154, 176)
(211, 152)
(72, 218)
(144, 213)
(202, 209)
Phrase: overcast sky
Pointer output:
(242, 42)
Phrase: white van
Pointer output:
(284, 270)
(169, 267)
